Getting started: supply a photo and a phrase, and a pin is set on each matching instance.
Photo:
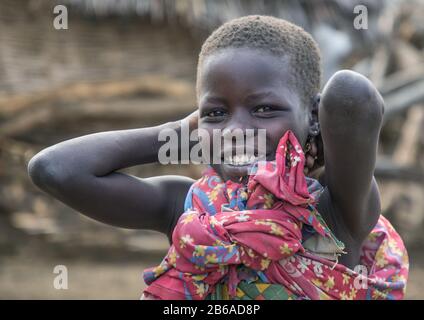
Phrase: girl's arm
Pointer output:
(350, 115)
(81, 173)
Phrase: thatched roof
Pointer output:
(208, 14)
(329, 21)
(145, 32)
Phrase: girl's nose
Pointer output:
(240, 120)
(239, 127)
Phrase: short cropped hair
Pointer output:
(276, 36)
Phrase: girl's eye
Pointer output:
(215, 113)
(264, 109)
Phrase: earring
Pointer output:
(315, 129)
(317, 99)
(307, 147)
(310, 154)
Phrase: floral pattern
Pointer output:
(238, 241)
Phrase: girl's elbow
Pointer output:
(351, 96)
(44, 171)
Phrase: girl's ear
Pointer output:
(314, 134)
(314, 128)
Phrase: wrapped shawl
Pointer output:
(266, 240)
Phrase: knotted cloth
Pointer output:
(248, 241)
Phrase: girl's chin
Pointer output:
(235, 173)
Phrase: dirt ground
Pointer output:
(26, 270)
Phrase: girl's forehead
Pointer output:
(244, 71)
(255, 66)
(246, 57)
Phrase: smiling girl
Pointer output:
(291, 229)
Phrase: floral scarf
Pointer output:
(253, 241)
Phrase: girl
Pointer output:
(244, 232)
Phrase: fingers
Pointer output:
(314, 150)
(310, 158)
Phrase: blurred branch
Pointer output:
(148, 85)
(404, 163)
(403, 99)
(156, 95)
(402, 79)
(387, 169)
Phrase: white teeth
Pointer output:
(239, 160)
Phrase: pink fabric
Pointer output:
(228, 225)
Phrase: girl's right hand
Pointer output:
(193, 119)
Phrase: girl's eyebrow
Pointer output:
(259, 95)
(252, 97)
(267, 94)
(214, 99)
(249, 97)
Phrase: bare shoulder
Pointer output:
(174, 190)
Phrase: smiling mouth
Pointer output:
(242, 160)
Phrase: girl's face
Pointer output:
(249, 89)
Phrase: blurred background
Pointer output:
(125, 64)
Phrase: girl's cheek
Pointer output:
(277, 129)
(207, 142)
